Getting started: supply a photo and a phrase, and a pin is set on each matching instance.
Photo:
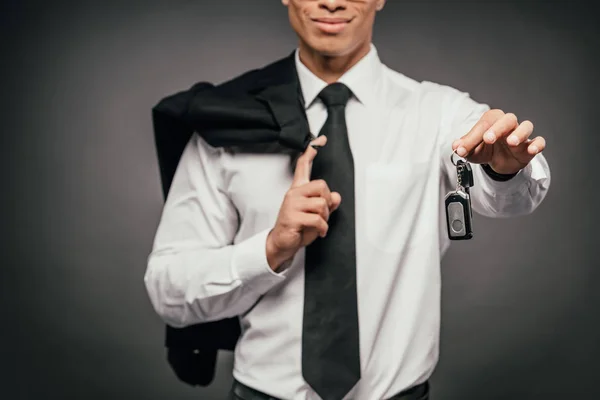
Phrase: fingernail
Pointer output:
(456, 143)
(512, 139)
(461, 151)
(490, 136)
(534, 149)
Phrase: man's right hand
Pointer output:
(304, 212)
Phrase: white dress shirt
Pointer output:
(209, 259)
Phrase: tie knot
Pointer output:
(335, 94)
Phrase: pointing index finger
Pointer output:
(304, 162)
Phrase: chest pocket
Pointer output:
(394, 198)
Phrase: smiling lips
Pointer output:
(331, 25)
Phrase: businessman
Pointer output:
(333, 266)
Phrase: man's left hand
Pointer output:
(499, 140)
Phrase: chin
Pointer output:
(331, 47)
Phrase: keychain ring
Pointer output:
(452, 158)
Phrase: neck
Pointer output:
(331, 68)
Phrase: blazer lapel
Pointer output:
(288, 111)
(281, 91)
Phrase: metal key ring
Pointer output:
(452, 158)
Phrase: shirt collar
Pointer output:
(360, 79)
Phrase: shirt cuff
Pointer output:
(496, 176)
(514, 185)
(249, 264)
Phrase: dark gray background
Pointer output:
(81, 197)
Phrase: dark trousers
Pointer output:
(240, 391)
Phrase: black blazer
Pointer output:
(261, 110)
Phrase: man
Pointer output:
(333, 268)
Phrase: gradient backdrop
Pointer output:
(82, 198)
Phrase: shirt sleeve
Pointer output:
(195, 273)
(520, 195)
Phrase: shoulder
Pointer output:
(401, 81)
(279, 71)
(425, 93)
(282, 70)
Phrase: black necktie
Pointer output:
(330, 337)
